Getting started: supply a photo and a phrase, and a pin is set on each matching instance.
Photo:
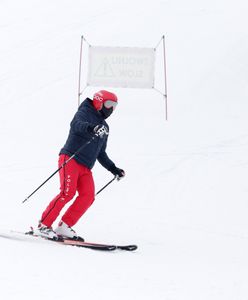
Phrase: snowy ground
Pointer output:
(184, 200)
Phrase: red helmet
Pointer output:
(101, 97)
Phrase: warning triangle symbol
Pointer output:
(105, 69)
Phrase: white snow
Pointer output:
(184, 200)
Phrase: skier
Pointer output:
(76, 175)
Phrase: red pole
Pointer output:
(165, 85)
(80, 66)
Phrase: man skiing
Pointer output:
(75, 176)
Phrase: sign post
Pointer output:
(123, 67)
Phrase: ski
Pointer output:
(79, 242)
(97, 246)
(93, 246)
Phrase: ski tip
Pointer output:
(128, 247)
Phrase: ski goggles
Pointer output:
(110, 104)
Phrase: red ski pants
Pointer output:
(74, 177)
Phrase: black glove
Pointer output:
(98, 130)
(119, 173)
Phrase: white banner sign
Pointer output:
(121, 67)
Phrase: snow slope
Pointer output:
(184, 199)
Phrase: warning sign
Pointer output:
(121, 67)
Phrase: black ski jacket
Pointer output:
(79, 134)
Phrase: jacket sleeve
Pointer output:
(79, 123)
(103, 158)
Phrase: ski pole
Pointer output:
(106, 185)
(62, 166)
